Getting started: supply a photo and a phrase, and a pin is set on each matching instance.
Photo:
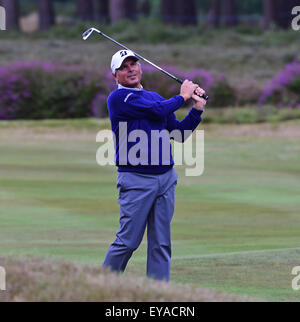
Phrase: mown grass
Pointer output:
(235, 228)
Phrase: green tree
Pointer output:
(214, 14)
(85, 10)
(229, 13)
(183, 12)
(283, 12)
(12, 13)
(145, 8)
(46, 14)
(103, 10)
(278, 12)
(122, 9)
(168, 12)
(186, 12)
(269, 13)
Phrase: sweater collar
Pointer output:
(133, 89)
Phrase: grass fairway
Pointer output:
(236, 228)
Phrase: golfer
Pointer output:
(146, 189)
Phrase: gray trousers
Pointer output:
(145, 200)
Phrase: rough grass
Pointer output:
(31, 279)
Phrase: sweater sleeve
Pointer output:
(190, 123)
(135, 106)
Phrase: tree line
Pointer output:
(222, 13)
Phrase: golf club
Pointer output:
(87, 34)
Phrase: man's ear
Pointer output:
(115, 77)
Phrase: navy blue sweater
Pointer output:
(134, 109)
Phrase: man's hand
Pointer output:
(199, 102)
(187, 89)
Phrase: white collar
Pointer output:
(133, 89)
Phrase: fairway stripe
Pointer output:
(142, 258)
(235, 253)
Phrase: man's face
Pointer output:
(129, 74)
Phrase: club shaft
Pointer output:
(180, 81)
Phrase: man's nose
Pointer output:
(130, 68)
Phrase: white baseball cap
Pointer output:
(119, 57)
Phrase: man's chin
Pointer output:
(132, 84)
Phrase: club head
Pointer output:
(87, 33)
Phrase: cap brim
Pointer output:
(132, 56)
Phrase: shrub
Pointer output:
(220, 91)
(42, 90)
(247, 93)
(284, 89)
(38, 90)
(242, 115)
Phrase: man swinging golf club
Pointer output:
(146, 189)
